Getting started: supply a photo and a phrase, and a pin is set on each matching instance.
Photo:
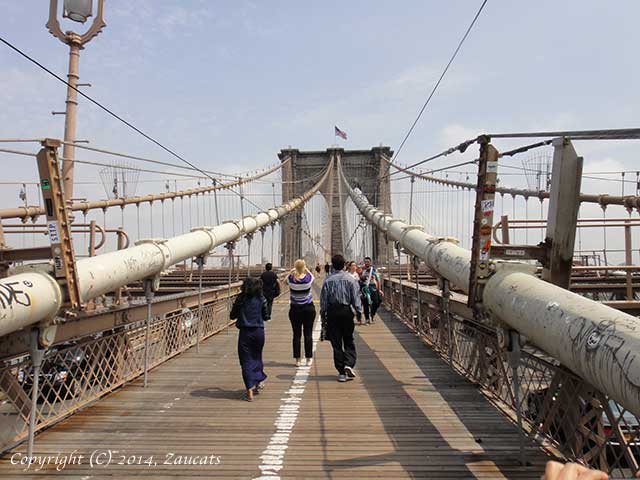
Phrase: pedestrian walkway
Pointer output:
(406, 415)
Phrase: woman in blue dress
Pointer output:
(250, 310)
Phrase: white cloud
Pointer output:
(454, 134)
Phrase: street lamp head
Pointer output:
(77, 10)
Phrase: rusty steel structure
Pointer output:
(595, 341)
(146, 260)
(630, 202)
(33, 212)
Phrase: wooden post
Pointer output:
(4, 266)
(92, 238)
(563, 212)
(504, 227)
(121, 240)
(627, 258)
(479, 271)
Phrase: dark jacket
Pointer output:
(270, 285)
(250, 312)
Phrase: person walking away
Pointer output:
(327, 269)
(250, 312)
(339, 298)
(270, 285)
(352, 269)
(371, 291)
(302, 312)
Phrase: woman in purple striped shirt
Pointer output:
(302, 313)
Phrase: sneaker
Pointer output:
(309, 362)
(342, 378)
(298, 362)
(351, 373)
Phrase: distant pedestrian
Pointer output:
(352, 269)
(250, 310)
(302, 313)
(270, 285)
(371, 290)
(339, 298)
(317, 269)
(327, 269)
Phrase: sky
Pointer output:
(229, 84)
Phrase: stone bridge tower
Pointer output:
(363, 168)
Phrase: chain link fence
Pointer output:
(74, 374)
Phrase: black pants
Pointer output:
(371, 309)
(302, 317)
(340, 332)
(269, 304)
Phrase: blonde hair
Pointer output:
(299, 268)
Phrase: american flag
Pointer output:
(339, 133)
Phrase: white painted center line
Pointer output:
(273, 456)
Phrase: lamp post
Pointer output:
(78, 11)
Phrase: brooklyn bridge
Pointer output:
(507, 335)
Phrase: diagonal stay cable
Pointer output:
(444, 72)
(99, 105)
(113, 114)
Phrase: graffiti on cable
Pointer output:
(13, 293)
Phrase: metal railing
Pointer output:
(558, 409)
(74, 374)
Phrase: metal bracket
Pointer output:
(200, 261)
(58, 221)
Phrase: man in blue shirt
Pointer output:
(339, 298)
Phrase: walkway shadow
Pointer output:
(216, 392)
(380, 383)
(387, 394)
(272, 363)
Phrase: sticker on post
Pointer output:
(484, 255)
(486, 205)
(57, 263)
(492, 167)
(52, 228)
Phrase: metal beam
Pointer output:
(563, 212)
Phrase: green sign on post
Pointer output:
(45, 184)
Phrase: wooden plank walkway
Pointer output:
(407, 415)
